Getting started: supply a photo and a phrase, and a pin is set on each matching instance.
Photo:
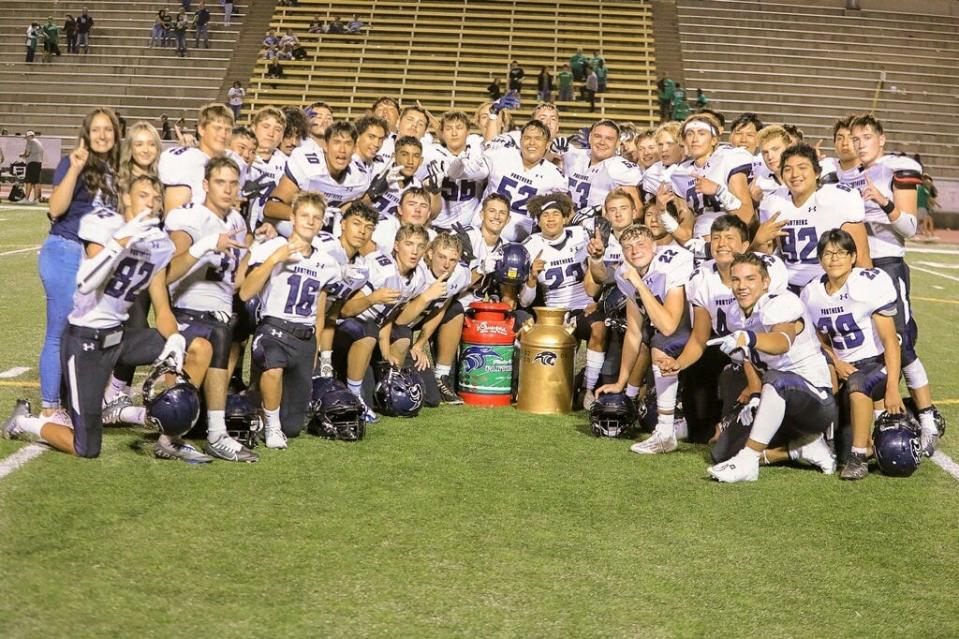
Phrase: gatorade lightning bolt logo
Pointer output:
(546, 358)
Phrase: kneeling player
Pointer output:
(124, 255)
(853, 309)
(775, 334)
(288, 276)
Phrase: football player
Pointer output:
(853, 310)
(559, 266)
(370, 312)
(647, 149)
(326, 171)
(802, 211)
(288, 275)
(499, 133)
(370, 133)
(401, 176)
(772, 141)
(388, 110)
(181, 167)
(460, 198)
(743, 134)
(436, 311)
(518, 174)
(296, 131)
(652, 282)
(267, 168)
(480, 247)
(124, 254)
(846, 160)
(593, 173)
(775, 335)
(671, 153)
(208, 267)
(415, 208)
(413, 122)
(321, 117)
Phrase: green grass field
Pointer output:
(466, 522)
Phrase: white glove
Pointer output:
(727, 200)
(394, 177)
(488, 264)
(138, 226)
(204, 245)
(174, 350)
(669, 222)
(697, 246)
(559, 145)
(735, 341)
(748, 412)
(437, 170)
(354, 274)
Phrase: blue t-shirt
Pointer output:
(68, 224)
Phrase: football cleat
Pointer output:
(274, 437)
(743, 466)
(447, 396)
(855, 467)
(929, 443)
(11, 430)
(179, 449)
(817, 453)
(113, 408)
(61, 416)
(659, 443)
(228, 449)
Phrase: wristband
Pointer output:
(889, 207)
(669, 222)
(726, 199)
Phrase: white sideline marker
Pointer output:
(16, 371)
(20, 458)
(23, 250)
(946, 463)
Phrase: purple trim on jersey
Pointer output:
(745, 169)
(890, 305)
(286, 172)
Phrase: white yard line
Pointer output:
(20, 458)
(14, 372)
(939, 265)
(938, 251)
(932, 272)
(23, 250)
(946, 463)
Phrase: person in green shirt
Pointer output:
(667, 89)
(601, 72)
(578, 64)
(701, 101)
(680, 105)
(565, 84)
(51, 43)
(597, 60)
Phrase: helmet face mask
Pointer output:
(613, 305)
(335, 412)
(513, 265)
(613, 415)
(897, 445)
(244, 421)
(172, 409)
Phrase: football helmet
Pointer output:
(399, 393)
(338, 414)
(512, 265)
(612, 304)
(612, 415)
(897, 444)
(244, 420)
(171, 409)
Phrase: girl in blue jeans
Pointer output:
(82, 182)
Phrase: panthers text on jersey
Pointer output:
(269, 173)
(140, 260)
(722, 165)
(308, 170)
(670, 268)
(384, 273)
(457, 282)
(845, 317)
(831, 206)
(706, 290)
(293, 288)
(209, 284)
(563, 275)
(804, 357)
(184, 166)
(461, 198)
(589, 184)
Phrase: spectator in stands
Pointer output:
(336, 26)
(271, 53)
(680, 105)
(165, 132)
(494, 89)
(201, 24)
(272, 39)
(285, 52)
(274, 70)
(667, 91)
(33, 157)
(227, 12)
(701, 101)
(84, 27)
(33, 34)
(602, 71)
(590, 87)
(316, 26)
(596, 60)
(179, 33)
(167, 27)
(578, 64)
(185, 4)
(51, 42)
(516, 75)
(157, 37)
(236, 95)
(70, 31)
(565, 84)
(289, 38)
(544, 85)
(355, 25)
(926, 204)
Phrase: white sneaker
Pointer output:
(744, 466)
(819, 454)
(228, 449)
(274, 437)
(589, 398)
(660, 442)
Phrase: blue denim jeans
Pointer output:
(59, 262)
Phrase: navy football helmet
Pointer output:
(338, 414)
(512, 265)
(612, 415)
(244, 419)
(171, 409)
(612, 304)
(897, 444)
(399, 393)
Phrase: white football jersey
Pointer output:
(706, 290)
(388, 203)
(804, 357)
(308, 170)
(766, 180)
(722, 165)
(565, 271)
(184, 166)
(109, 305)
(481, 250)
(293, 288)
(342, 288)
(884, 239)
(652, 178)
(457, 282)
(505, 174)
(846, 316)
(461, 198)
(670, 268)
(209, 285)
(384, 235)
(590, 184)
(384, 273)
(831, 206)
(269, 172)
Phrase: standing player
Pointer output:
(288, 276)
(321, 117)
(460, 198)
(181, 168)
(370, 133)
(772, 141)
(125, 254)
(267, 169)
(671, 153)
(407, 161)
(593, 173)
(744, 133)
(480, 246)
(846, 160)
(203, 276)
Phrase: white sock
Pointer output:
(441, 370)
(928, 422)
(632, 391)
(32, 425)
(859, 451)
(272, 418)
(876, 413)
(114, 388)
(133, 415)
(769, 416)
(326, 358)
(215, 424)
(356, 387)
(594, 366)
(666, 388)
